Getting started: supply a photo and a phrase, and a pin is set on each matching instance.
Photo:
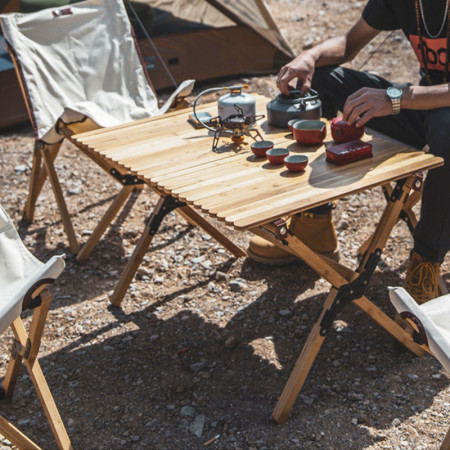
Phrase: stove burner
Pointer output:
(236, 126)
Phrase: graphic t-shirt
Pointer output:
(401, 14)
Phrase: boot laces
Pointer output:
(422, 279)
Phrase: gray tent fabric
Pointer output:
(435, 318)
(81, 60)
(19, 271)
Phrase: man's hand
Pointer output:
(302, 68)
(365, 104)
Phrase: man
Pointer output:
(416, 115)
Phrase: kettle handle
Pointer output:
(310, 95)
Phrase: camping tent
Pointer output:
(199, 39)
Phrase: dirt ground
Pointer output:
(205, 343)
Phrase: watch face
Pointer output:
(394, 92)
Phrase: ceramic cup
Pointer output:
(277, 155)
(259, 148)
(296, 163)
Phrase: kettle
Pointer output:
(283, 108)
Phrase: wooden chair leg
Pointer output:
(73, 243)
(10, 432)
(38, 176)
(35, 371)
(33, 190)
(136, 258)
(90, 244)
(446, 444)
(197, 219)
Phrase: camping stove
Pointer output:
(236, 126)
(236, 117)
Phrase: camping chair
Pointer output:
(431, 321)
(23, 285)
(80, 69)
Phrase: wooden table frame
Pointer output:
(348, 286)
(208, 181)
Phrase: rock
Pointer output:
(231, 342)
(308, 43)
(196, 367)
(21, 168)
(285, 313)
(343, 225)
(196, 427)
(75, 191)
(237, 286)
(153, 423)
(396, 422)
(221, 276)
(187, 411)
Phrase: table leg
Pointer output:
(303, 365)
(347, 286)
(142, 246)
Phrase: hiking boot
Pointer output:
(422, 278)
(421, 282)
(315, 230)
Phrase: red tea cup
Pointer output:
(277, 155)
(296, 163)
(259, 148)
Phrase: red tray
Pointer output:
(349, 152)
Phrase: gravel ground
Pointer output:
(204, 343)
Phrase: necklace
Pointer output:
(425, 24)
(419, 10)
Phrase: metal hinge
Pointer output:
(350, 291)
(19, 350)
(126, 179)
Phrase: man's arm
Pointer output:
(367, 103)
(332, 51)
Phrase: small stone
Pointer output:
(308, 43)
(396, 422)
(196, 427)
(343, 225)
(75, 191)
(187, 411)
(196, 367)
(21, 168)
(221, 276)
(236, 286)
(170, 407)
(285, 313)
(153, 423)
(231, 342)
(412, 376)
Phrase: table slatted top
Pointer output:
(232, 184)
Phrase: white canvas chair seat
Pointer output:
(82, 59)
(23, 282)
(76, 62)
(432, 320)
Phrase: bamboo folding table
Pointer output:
(248, 193)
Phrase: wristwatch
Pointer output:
(395, 94)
